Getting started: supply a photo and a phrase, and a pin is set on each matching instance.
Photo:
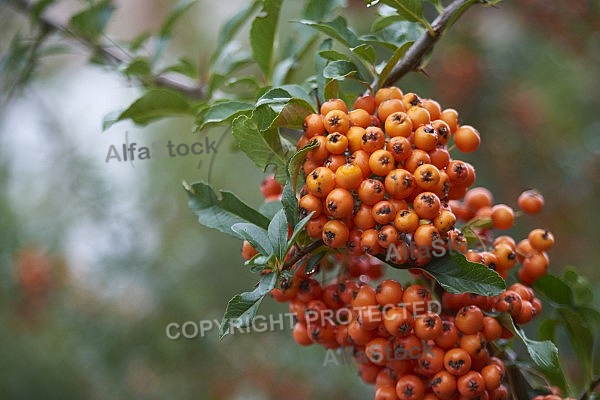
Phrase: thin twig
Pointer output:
(302, 252)
(423, 44)
(110, 55)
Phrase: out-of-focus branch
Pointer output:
(411, 60)
(110, 55)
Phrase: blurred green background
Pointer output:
(97, 258)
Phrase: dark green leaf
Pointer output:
(296, 162)
(366, 52)
(340, 70)
(233, 25)
(398, 54)
(317, 9)
(262, 147)
(543, 354)
(153, 105)
(262, 35)
(336, 29)
(333, 55)
(138, 67)
(223, 213)
(222, 112)
(290, 203)
(547, 329)
(278, 235)
(298, 229)
(91, 22)
(258, 237)
(554, 289)
(581, 337)
(583, 293)
(242, 308)
(332, 89)
(457, 275)
(411, 10)
(184, 67)
(270, 208)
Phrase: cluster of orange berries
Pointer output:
(381, 175)
(401, 339)
(382, 172)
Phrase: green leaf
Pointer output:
(262, 147)
(223, 213)
(296, 162)
(554, 289)
(316, 9)
(278, 235)
(333, 55)
(262, 35)
(233, 25)
(366, 52)
(411, 10)
(153, 105)
(583, 293)
(336, 29)
(398, 54)
(258, 237)
(176, 12)
(320, 64)
(581, 337)
(290, 203)
(184, 67)
(90, 23)
(298, 229)
(138, 67)
(277, 108)
(340, 70)
(457, 275)
(242, 308)
(270, 208)
(219, 113)
(543, 354)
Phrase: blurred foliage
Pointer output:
(97, 259)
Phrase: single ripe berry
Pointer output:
(466, 139)
(541, 239)
(531, 201)
(503, 216)
(335, 234)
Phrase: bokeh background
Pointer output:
(97, 258)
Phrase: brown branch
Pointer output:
(303, 252)
(110, 55)
(411, 60)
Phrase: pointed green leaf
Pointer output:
(366, 52)
(333, 55)
(278, 235)
(153, 105)
(263, 148)
(341, 70)
(90, 23)
(411, 10)
(176, 12)
(456, 274)
(242, 308)
(336, 29)
(543, 354)
(219, 113)
(262, 35)
(299, 228)
(389, 66)
(270, 208)
(290, 203)
(258, 237)
(223, 213)
(554, 289)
